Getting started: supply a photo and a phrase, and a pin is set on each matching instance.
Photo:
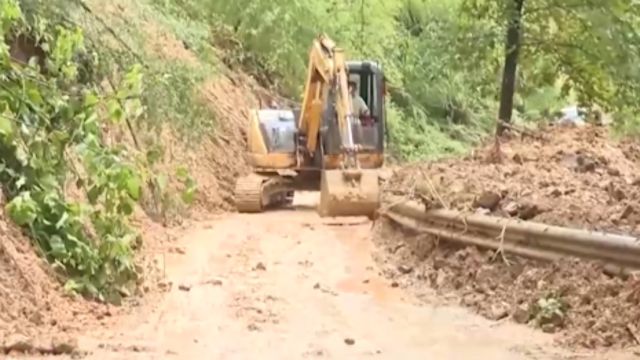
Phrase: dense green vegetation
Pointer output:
(50, 132)
(70, 188)
(444, 58)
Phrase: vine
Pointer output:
(50, 136)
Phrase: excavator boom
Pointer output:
(326, 74)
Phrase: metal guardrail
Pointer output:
(620, 254)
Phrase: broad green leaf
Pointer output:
(22, 209)
(133, 187)
(34, 96)
(125, 208)
(63, 220)
(116, 114)
(182, 173)
(58, 249)
(94, 192)
(6, 126)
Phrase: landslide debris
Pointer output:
(575, 177)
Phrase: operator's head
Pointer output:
(352, 87)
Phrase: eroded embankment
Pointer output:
(574, 177)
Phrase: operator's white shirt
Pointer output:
(359, 106)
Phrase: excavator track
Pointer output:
(248, 194)
(254, 193)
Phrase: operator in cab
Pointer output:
(360, 108)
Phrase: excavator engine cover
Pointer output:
(349, 192)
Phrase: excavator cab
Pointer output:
(370, 86)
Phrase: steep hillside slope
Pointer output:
(202, 106)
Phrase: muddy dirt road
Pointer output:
(289, 285)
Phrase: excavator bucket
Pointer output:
(349, 193)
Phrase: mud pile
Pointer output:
(33, 306)
(574, 177)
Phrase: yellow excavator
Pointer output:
(323, 144)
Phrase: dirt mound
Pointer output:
(573, 177)
(32, 303)
(574, 299)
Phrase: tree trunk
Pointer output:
(512, 50)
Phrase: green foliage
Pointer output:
(443, 58)
(271, 41)
(588, 48)
(135, 33)
(550, 311)
(167, 82)
(51, 127)
(173, 85)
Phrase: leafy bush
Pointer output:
(51, 127)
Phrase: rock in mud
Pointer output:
(165, 285)
(213, 282)
(585, 164)
(628, 211)
(349, 341)
(488, 200)
(404, 269)
(18, 343)
(555, 193)
(613, 171)
(517, 158)
(499, 311)
(183, 287)
(521, 314)
(615, 192)
(36, 318)
(472, 300)
(510, 208)
(64, 346)
(548, 328)
(260, 266)
(529, 211)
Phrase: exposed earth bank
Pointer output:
(575, 177)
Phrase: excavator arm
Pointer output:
(348, 190)
(327, 72)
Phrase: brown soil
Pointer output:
(573, 177)
(567, 177)
(32, 302)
